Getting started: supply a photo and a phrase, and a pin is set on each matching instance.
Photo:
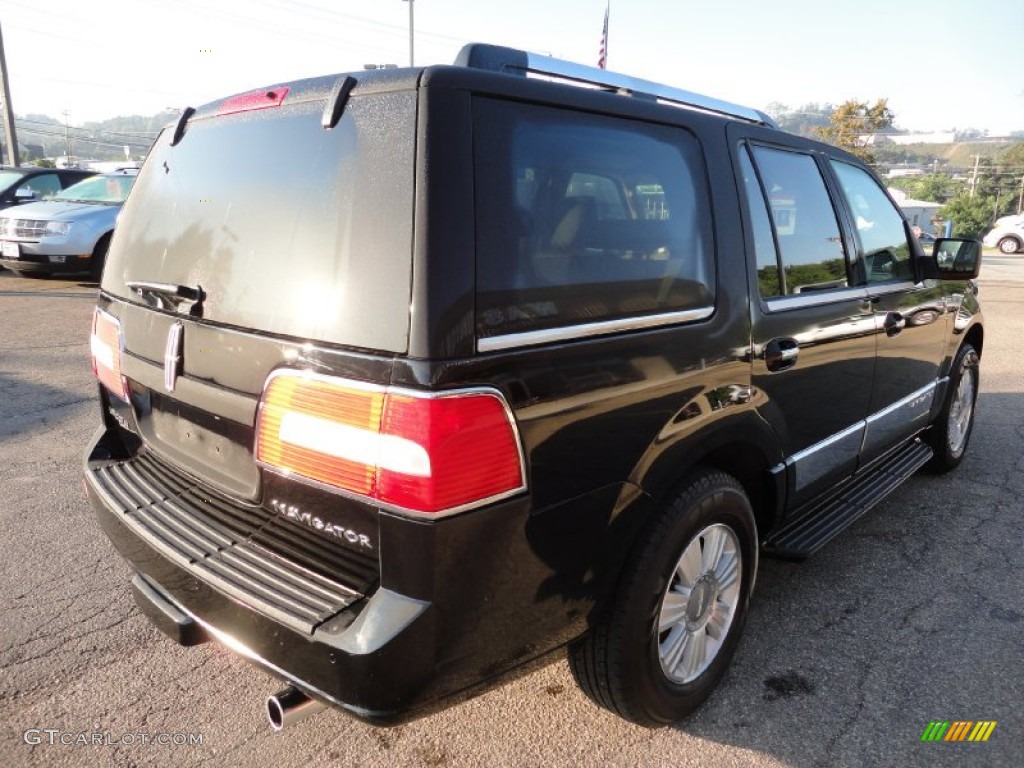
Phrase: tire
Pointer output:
(652, 655)
(1009, 245)
(951, 431)
(99, 258)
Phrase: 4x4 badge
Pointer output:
(172, 355)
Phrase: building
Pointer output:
(918, 212)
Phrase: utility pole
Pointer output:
(412, 61)
(974, 176)
(12, 138)
(67, 139)
(1020, 200)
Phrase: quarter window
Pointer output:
(585, 219)
(881, 237)
(810, 249)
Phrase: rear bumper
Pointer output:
(460, 603)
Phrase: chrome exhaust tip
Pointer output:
(289, 707)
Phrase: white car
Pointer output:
(1007, 235)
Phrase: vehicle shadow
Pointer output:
(913, 614)
(31, 407)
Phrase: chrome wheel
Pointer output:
(1009, 245)
(960, 412)
(699, 603)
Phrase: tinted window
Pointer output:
(288, 228)
(45, 185)
(881, 237)
(804, 222)
(765, 252)
(584, 219)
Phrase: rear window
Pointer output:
(288, 228)
(585, 219)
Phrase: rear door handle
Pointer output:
(781, 354)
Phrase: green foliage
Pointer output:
(826, 274)
(935, 187)
(44, 163)
(1013, 155)
(853, 119)
(971, 216)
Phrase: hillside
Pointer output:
(45, 136)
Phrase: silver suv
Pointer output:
(70, 232)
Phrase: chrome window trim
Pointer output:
(885, 289)
(801, 300)
(587, 330)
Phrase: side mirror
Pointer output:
(24, 195)
(957, 258)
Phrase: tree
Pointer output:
(935, 187)
(853, 121)
(971, 216)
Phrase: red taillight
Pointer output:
(426, 453)
(246, 102)
(105, 344)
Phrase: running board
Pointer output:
(803, 537)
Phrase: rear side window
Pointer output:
(584, 219)
(809, 255)
(287, 228)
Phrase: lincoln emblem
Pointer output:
(172, 355)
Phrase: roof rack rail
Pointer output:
(510, 60)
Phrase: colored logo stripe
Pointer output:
(982, 730)
(958, 730)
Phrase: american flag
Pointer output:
(602, 56)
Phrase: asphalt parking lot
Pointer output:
(915, 614)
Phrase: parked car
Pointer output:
(410, 379)
(27, 184)
(1007, 235)
(68, 233)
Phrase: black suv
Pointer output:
(411, 378)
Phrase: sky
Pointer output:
(942, 64)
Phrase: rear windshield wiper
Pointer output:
(183, 299)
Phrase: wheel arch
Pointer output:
(976, 337)
(103, 242)
(746, 449)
